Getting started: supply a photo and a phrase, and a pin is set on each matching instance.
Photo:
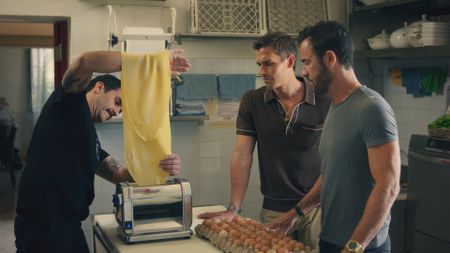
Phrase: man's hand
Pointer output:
(171, 164)
(218, 216)
(285, 222)
(178, 62)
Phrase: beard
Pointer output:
(324, 80)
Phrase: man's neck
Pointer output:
(343, 86)
(293, 89)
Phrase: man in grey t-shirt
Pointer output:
(359, 149)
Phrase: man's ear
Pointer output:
(329, 59)
(99, 87)
(291, 60)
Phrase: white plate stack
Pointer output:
(428, 33)
(435, 33)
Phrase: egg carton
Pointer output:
(291, 16)
(244, 235)
(228, 17)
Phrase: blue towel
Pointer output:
(234, 86)
(412, 81)
(197, 87)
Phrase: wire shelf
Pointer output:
(291, 16)
(234, 17)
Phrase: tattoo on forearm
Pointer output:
(108, 169)
(70, 81)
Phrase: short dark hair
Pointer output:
(280, 42)
(330, 35)
(111, 82)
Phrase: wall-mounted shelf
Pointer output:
(190, 36)
(199, 118)
(405, 53)
(360, 8)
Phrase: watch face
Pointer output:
(352, 245)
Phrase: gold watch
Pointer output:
(354, 247)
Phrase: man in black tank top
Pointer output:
(57, 183)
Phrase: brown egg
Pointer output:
(207, 222)
(237, 243)
(271, 251)
(243, 237)
(265, 248)
(276, 247)
(299, 245)
(282, 250)
(275, 240)
(248, 241)
(289, 247)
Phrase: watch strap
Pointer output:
(234, 209)
(299, 211)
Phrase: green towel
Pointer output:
(434, 80)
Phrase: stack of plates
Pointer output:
(428, 33)
(435, 33)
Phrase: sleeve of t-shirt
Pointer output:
(378, 124)
(245, 124)
(102, 154)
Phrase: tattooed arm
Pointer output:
(80, 70)
(113, 171)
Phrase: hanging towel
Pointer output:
(197, 87)
(396, 76)
(434, 80)
(234, 86)
(146, 123)
(412, 81)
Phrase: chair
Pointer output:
(7, 154)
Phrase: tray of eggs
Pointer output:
(244, 235)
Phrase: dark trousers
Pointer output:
(49, 232)
(326, 247)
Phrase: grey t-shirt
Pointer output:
(364, 120)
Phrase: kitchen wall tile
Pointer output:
(209, 197)
(209, 165)
(206, 134)
(210, 149)
(206, 181)
(186, 149)
(189, 165)
(184, 131)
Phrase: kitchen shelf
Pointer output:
(405, 53)
(190, 36)
(199, 118)
(361, 8)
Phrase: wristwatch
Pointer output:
(354, 247)
(299, 211)
(234, 209)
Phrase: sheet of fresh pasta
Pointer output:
(145, 92)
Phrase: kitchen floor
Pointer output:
(7, 212)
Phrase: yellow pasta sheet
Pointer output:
(146, 121)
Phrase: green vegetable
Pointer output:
(441, 122)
